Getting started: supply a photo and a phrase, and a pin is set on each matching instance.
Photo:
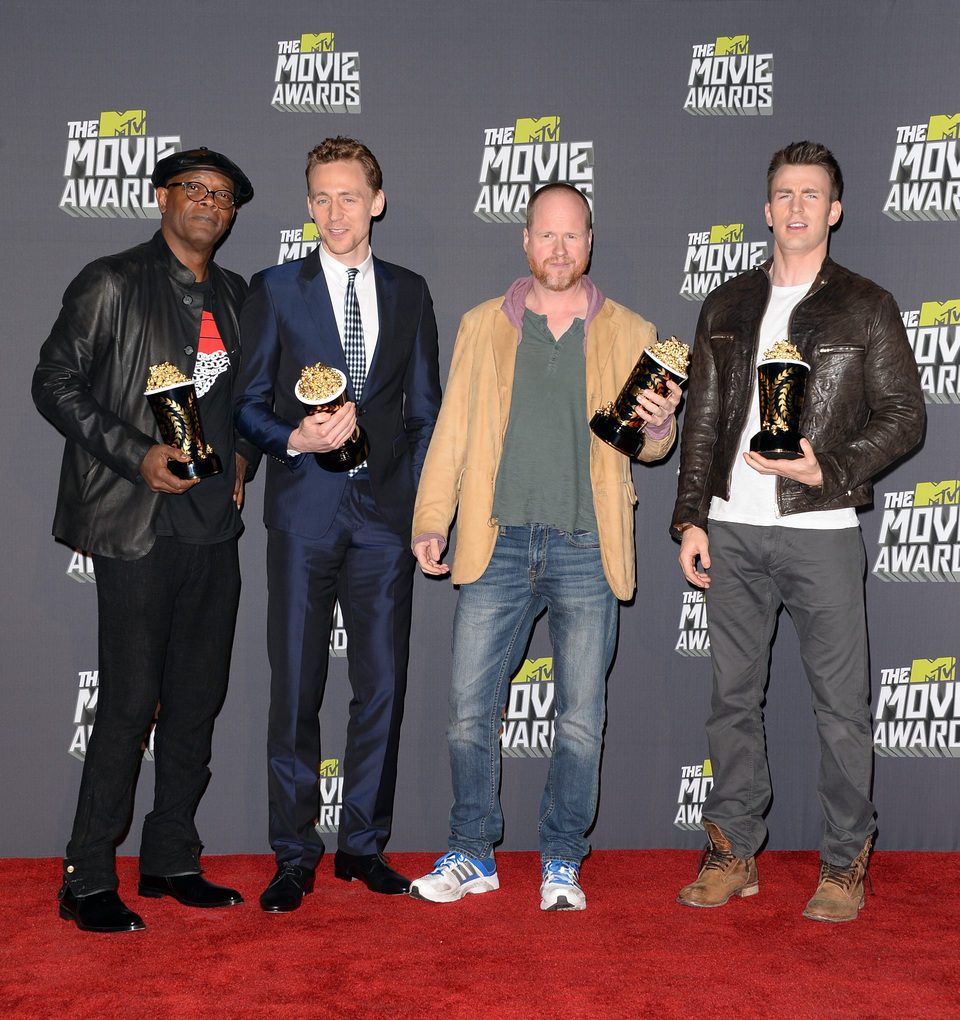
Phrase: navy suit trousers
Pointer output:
(368, 567)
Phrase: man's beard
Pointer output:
(555, 278)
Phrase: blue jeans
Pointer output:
(533, 568)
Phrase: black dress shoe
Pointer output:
(101, 911)
(190, 890)
(372, 869)
(286, 889)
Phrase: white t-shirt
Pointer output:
(753, 496)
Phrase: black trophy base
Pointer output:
(352, 454)
(199, 467)
(626, 438)
(782, 446)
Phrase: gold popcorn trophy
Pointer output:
(782, 382)
(617, 424)
(173, 400)
(321, 388)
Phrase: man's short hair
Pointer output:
(808, 154)
(334, 150)
(558, 186)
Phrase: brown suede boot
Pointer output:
(721, 876)
(840, 893)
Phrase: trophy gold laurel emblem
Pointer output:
(617, 424)
(781, 386)
(173, 400)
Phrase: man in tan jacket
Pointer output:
(546, 519)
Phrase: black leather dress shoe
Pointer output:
(371, 869)
(190, 890)
(286, 889)
(101, 911)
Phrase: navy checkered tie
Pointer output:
(353, 336)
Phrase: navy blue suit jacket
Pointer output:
(286, 323)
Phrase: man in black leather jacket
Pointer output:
(164, 547)
(772, 532)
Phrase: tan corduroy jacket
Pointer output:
(460, 470)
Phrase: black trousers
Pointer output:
(166, 624)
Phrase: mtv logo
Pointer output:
(721, 234)
(320, 43)
(936, 493)
(329, 768)
(114, 123)
(536, 129)
(731, 45)
(925, 670)
(310, 232)
(942, 126)
(535, 671)
(940, 313)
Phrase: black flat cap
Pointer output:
(202, 159)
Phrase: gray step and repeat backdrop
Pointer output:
(665, 114)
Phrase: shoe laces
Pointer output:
(450, 860)
(561, 873)
(845, 878)
(712, 858)
(286, 868)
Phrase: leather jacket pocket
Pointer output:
(89, 473)
(846, 348)
(836, 381)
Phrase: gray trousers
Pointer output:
(818, 577)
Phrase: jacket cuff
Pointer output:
(427, 535)
(680, 526)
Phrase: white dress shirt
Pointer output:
(335, 273)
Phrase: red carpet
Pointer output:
(633, 953)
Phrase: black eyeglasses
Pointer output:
(196, 192)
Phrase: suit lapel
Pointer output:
(386, 286)
(601, 336)
(504, 343)
(325, 337)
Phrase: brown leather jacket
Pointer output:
(863, 407)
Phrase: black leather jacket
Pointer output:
(863, 407)
(121, 315)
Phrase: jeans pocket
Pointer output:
(582, 539)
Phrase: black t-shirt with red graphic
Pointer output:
(206, 513)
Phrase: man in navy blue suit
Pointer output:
(338, 534)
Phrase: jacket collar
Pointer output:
(826, 270)
(313, 285)
(174, 266)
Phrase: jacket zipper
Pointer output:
(820, 284)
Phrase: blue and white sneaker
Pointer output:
(560, 888)
(454, 876)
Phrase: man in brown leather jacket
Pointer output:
(164, 547)
(759, 533)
